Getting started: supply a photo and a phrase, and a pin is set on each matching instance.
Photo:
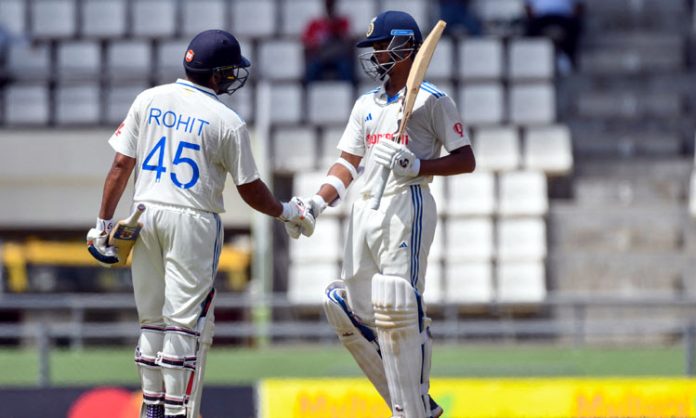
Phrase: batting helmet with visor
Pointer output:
(216, 51)
(400, 30)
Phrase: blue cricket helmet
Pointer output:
(213, 49)
(388, 24)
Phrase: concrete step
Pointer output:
(616, 229)
(627, 138)
(605, 272)
(625, 104)
(638, 181)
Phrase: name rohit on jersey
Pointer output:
(170, 119)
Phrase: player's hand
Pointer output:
(99, 249)
(396, 157)
(298, 218)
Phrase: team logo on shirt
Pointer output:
(459, 129)
(189, 55)
(118, 130)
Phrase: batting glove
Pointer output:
(396, 157)
(97, 246)
(298, 218)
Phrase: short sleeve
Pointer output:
(352, 139)
(238, 158)
(125, 139)
(447, 124)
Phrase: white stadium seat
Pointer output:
(170, 60)
(286, 103)
(521, 239)
(295, 15)
(416, 8)
(497, 148)
(523, 193)
(482, 104)
(358, 12)
(330, 136)
(521, 282)
(27, 62)
(469, 239)
(442, 64)
(325, 244)
(129, 60)
(200, 15)
(53, 18)
(532, 104)
(293, 149)
(329, 102)
(27, 104)
(434, 291)
(281, 60)
(480, 59)
(500, 10)
(471, 194)
(254, 18)
(469, 282)
(104, 18)
(119, 99)
(78, 104)
(12, 16)
(530, 59)
(307, 281)
(242, 102)
(79, 60)
(154, 18)
(549, 149)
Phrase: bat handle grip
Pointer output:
(379, 189)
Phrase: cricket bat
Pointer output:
(125, 233)
(413, 82)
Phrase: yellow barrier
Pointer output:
(479, 398)
(16, 257)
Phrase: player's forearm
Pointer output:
(328, 192)
(459, 161)
(257, 195)
(115, 184)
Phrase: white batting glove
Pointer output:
(298, 218)
(396, 157)
(98, 248)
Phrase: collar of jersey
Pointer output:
(194, 86)
(383, 97)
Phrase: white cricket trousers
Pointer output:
(393, 240)
(174, 263)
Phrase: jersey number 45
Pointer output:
(157, 153)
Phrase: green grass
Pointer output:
(227, 366)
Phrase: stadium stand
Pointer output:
(619, 128)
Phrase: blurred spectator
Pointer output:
(328, 49)
(560, 20)
(461, 19)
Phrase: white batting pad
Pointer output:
(149, 344)
(397, 321)
(360, 340)
(177, 359)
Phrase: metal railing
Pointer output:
(557, 317)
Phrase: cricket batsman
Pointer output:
(377, 308)
(182, 141)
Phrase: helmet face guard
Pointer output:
(401, 47)
(232, 78)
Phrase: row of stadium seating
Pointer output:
(55, 19)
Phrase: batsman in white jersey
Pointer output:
(377, 308)
(181, 141)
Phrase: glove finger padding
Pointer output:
(99, 249)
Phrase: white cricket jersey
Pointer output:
(185, 141)
(435, 122)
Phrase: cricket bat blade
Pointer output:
(125, 233)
